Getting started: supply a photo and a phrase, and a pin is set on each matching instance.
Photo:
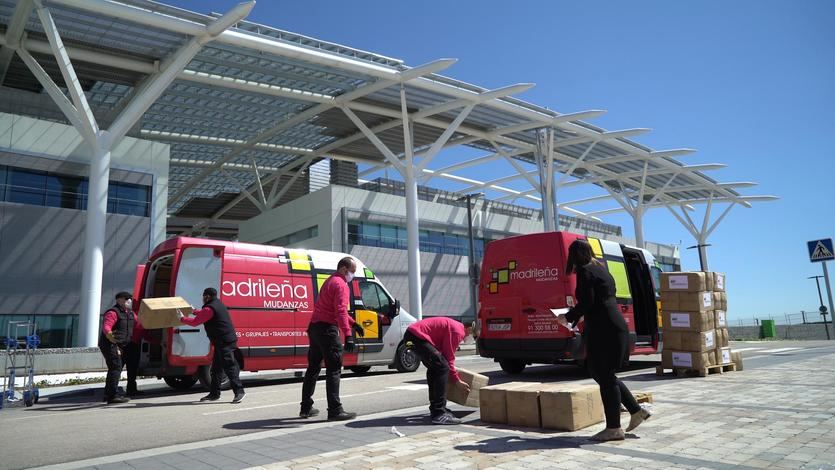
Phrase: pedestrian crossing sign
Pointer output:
(820, 250)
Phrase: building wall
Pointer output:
(314, 209)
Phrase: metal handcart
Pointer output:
(21, 342)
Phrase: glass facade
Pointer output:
(41, 188)
(55, 331)
(393, 236)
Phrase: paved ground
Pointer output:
(779, 412)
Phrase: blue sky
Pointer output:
(747, 83)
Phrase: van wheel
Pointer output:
(359, 370)
(204, 374)
(180, 382)
(512, 366)
(406, 359)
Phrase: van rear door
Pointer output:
(198, 268)
(643, 297)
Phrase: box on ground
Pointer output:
(685, 359)
(722, 338)
(669, 301)
(690, 340)
(523, 406)
(493, 401)
(736, 358)
(723, 356)
(455, 393)
(163, 312)
(569, 407)
(687, 321)
(683, 282)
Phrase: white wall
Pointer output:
(309, 210)
(57, 141)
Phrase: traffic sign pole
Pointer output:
(828, 293)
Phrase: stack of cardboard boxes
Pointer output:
(694, 321)
(561, 406)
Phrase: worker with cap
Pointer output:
(330, 319)
(221, 333)
(435, 341)
(116, 333)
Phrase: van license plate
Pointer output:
(499, 327)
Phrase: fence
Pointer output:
(800, 318)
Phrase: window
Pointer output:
(375, 298)
(55, 331)
(40, 188)
(391, 236)
(296, 237)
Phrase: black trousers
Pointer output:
(602, 368)
(224, 362)
(132, 364)
(437, 372)
(324, 345)
(113, 359)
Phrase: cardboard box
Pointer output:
(569, 407)
(163, 312)
(722, 338)
(736, 358)
(723, 300)
(669, 301)
(695, 301)
(687, 321)
(455, 393)
(723, 356)
(683, 282)
(690, 340)
(720, 319)
(523, 406)
(708, 280)
(493, 401)
(719, 282)
(685, 359)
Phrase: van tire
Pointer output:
(360, 370)
(406, 359)
(180, 382)
(204, 374)
(512, 366)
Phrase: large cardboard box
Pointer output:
(720, 319)
(723, 300)
(723, 356)
(685, 359)
(709, 280)
(163, 312)
(722, 338)
(669, 301)
(523, 406)
(687, 321)
(683, 282)
(455, 393)
(695, 301)
(719, 282)
(569, 407)
(736, 357)
(493, 401)
(702, 341)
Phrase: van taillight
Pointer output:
(569, 300)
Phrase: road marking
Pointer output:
(410, 388)
(773, 351)
(754, 357)
(274, 405)
(747, 349)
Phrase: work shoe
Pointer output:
(609, 434)
(341, 416)
(117, 399)
(445, 418)
(239, 397)
(210, 397)
(309, 413)
(638, 418)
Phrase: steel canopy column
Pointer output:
(544, 178)
(412, 223)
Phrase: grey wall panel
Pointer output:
(40, 257)
(444, 278)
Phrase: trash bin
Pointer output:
(768, 329)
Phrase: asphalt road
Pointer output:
(78, 426)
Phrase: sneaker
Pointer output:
(309, 413)
(446, 418)
(341, 416)
(239, 397)
(614, 434)
(117, 399)
(638, 418)
(210, 397)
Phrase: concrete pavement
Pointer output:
(777, 413)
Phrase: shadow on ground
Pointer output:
(505, 444)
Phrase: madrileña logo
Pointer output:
(273, 295)
(548, 273)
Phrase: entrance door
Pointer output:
(643, 296)
(199, 268)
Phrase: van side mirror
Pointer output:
(394, 308)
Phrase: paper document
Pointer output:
(559, 311)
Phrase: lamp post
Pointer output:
(472, 275)
(822, 308)
(700, 247)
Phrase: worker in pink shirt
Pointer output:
(330, 319)
(116, 332)
(435, 340)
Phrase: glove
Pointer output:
(349, 344)
(358, 330)
(109, 336)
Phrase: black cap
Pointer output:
(210, 291)
(124, 295)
